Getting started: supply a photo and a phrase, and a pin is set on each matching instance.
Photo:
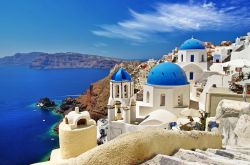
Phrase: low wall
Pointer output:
(139, 146)
(118, 128)
(213, 100)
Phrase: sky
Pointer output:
(129, 29)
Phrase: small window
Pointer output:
(147, 96)
(192, 58)
(191, 76)
(202, 58)
(182, 58)
(66, 120)
(117, 90)
(126, 91)
(162, 100)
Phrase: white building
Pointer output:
(192, 57)
(165, 94)
(238, 50)
(166, 88)
(241, 48)
(221, 53)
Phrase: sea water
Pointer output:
(27, 132)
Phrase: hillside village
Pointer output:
(198, 93)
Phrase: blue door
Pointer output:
(192, 58)
(191, 76)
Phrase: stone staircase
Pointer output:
(226, 156)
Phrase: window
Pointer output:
(162, 100)
(126, 91)
(147, 96)
(182, 58)
(216, 58)
(117, 91)
(191, 76)
(180, 100)
(81, 122)
(202, 58)
(192, 58)
(66, 120)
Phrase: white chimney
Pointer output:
(77, 110)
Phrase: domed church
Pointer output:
(167, 88)
(192, 57)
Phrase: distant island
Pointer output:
(40, 60)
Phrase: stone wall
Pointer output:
(136, 147)
(234, 122)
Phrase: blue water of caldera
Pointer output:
(26, 132)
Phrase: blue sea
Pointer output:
(26, 132)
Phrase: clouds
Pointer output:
(177, 17)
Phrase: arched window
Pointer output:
(181, 57)
(202, 58)
(162, 100)
(81, 122)
(117, 91)
(147, 96)
(126, 91)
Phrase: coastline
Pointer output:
(21, 87)
(93, 100)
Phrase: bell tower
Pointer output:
(121, 94)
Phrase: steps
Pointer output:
(226, 156)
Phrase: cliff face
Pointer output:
(96, 97)
(73, 60)
(40, 60)
(19, 59)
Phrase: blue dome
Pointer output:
(167, 74)
(121, 75)
(192, 44)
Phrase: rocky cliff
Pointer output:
(73, 60)
(19, 59)
(40, 60)
(96, 97)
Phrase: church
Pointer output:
(192, 58)
(165, 94)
